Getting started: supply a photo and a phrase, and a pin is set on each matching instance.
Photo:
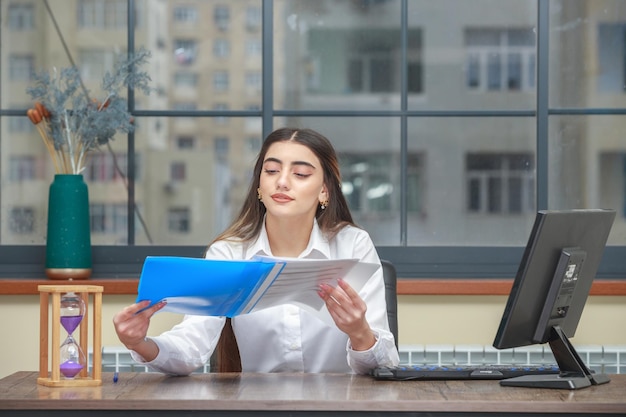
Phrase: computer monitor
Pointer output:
(550, 290)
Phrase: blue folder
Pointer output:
(203, 286)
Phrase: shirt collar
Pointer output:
(317, 248)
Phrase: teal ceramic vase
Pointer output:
(68, 242)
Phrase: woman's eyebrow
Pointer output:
(304, 163)
(271, 159)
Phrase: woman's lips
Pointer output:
(281, 198)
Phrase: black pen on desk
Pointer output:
(115, 377)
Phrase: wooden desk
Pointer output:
(151, 394)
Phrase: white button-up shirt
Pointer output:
(285, 338)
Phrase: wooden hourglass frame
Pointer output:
(52, 377)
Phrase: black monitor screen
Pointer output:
(550, 289)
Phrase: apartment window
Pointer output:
(20, 16)
(414, 76)
(185, 51)
(22, 220)
(221, 48)
(178, 220)
(102, 166)
(102, 14)
(371, 187)
(185, 106)
(253, 18)
(221, 146)
(254, 48)
(612, 57)
(108, 218)
(22, 168)
(500, 183)
(222, 120)
(185, 142)
(185, 79)
(253, 81)
(220, 81)
(500, 59)
(416, 184)
(178, 171)
(372, 61)
(221, 17)
(252, 122)
(185, 14)
(21, 67)
(370, 72)
(253, 145)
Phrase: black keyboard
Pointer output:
(460, 372)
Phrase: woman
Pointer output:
(294, 208)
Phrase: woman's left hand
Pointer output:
(348, 309)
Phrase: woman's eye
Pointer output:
(301, 175)
(270, 171)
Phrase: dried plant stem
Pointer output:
(70, 142)
(68, 157)
(63, 156)
(43, 132)
(81, 157)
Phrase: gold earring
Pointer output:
(323, 204)
(259, 195)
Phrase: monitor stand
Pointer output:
(574, 374)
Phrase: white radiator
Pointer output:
(602, 359)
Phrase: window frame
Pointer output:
(503, 174)
(449, 262)
(479, 61)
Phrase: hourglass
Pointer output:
(70, 308)
(72, 356)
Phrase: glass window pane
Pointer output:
(473, 70)
(587, 166)
(494, 72)
(479, 177)
(209, 49)
(514, 71)
(481, 58)
(193, 184)
(494, 195)
(589, 54)
(328, 55)
(33, 169)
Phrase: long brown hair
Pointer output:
(247, 225)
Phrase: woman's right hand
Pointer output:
(131, 325)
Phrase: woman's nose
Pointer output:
(282, 182)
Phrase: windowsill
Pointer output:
(420, 286)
